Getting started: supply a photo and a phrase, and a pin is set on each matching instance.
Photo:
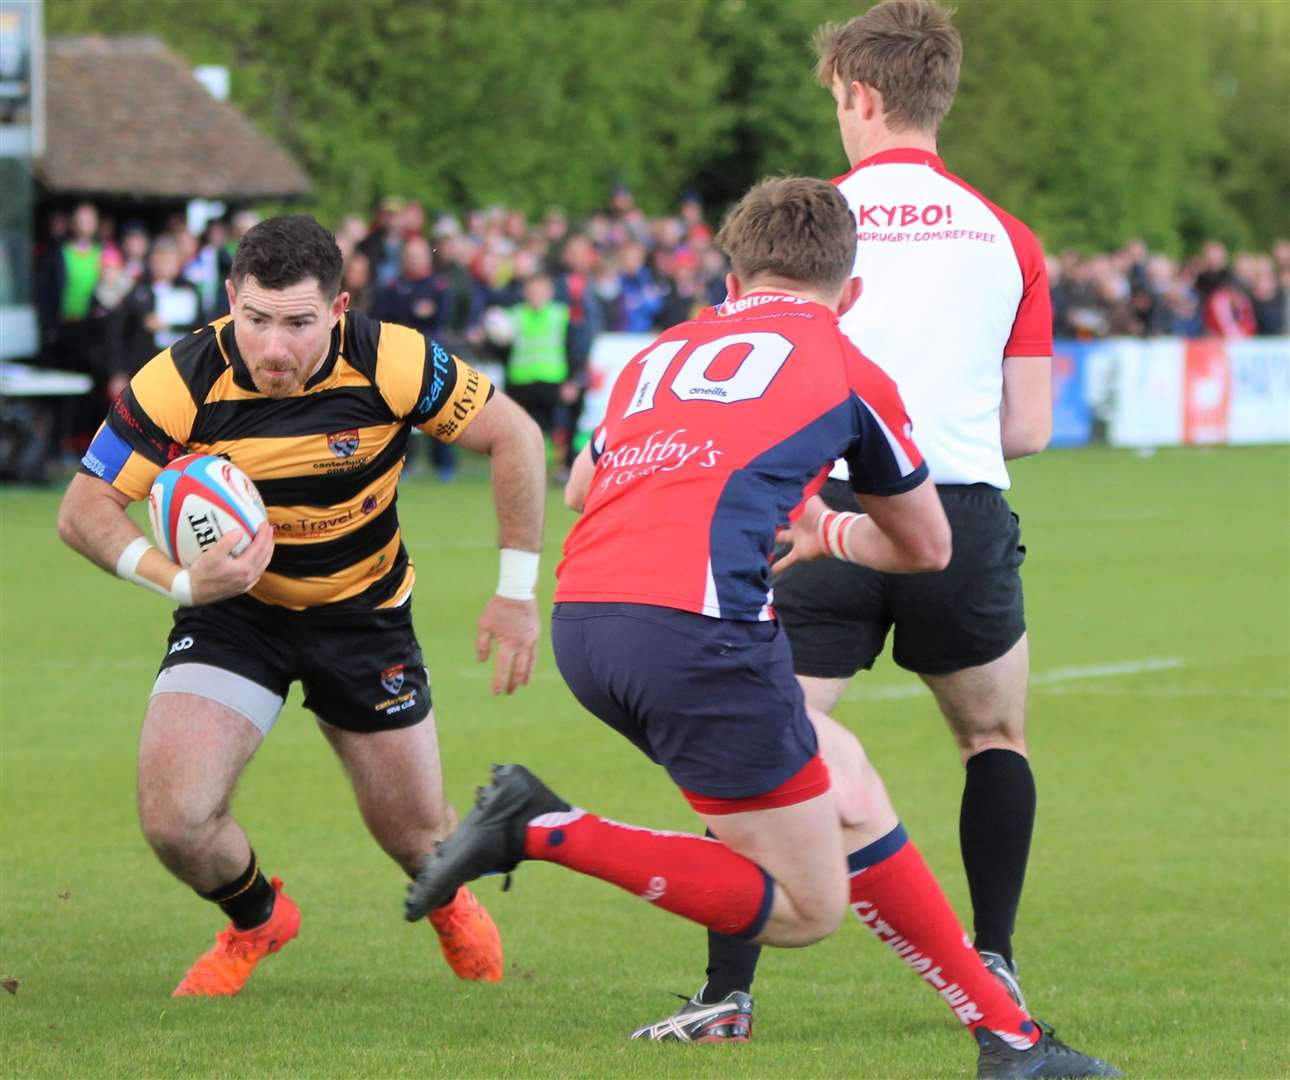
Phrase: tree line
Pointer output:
(1095, 120)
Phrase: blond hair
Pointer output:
(907, 50)
(792, 227)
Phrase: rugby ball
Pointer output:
(196, 499)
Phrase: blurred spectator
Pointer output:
(82, 260)
(686, 296)
(134, 250)
(413, 297)
(383, 243)
(1226, 310)
(538, 373)
(155, 313)
(357, 281)
(204, 270)
(642, 298)
(1269, 299)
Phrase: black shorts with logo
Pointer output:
(361, 670)
(837, 614)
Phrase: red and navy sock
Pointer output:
(691, 876)
(896, 897)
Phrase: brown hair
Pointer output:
(907, 50)
(283, 251)
(792, 227)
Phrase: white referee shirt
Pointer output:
(952, 285)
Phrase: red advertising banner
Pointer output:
(1207, 393)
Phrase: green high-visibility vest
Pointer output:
(538, 352)
(82, 277)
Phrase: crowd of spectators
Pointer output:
(1134, 292)
(532, 295)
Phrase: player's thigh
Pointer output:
(396, 773)
(863, 804)
(219, 691)
(192, 749)
(822, 694)
(985, 706)
(835, 613)
(713, 701)
(972, 612)
(800, 847)
(362, 671)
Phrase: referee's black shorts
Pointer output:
(837, 614)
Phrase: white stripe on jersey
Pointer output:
(897, 451)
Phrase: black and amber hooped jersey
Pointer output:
(326, 460)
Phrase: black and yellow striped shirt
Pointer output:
(326, 459)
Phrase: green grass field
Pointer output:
(1155, 929)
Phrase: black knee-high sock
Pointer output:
(247, 899)
(995, 823)
(732, 963)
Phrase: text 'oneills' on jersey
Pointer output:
(326, 460)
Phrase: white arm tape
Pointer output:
(517, 574)
(127, 565)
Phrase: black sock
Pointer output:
(995, 823)
(732, 963)
(248, 899)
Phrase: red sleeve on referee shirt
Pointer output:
(1032, 329)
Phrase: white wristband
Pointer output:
(517, 574)
(127, 566)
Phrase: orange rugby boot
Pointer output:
(224, 969)
(469, 938)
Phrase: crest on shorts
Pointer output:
(392, 679)
(343, 443)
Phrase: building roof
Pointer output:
(125, 117)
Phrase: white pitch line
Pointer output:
(1046, 678)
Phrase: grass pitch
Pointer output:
(1155, 929)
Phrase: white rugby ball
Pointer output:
(196, 499)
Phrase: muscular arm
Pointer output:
(513, 442)
(897, 534)
(93, 522)
(580, 478)
(1026, 415)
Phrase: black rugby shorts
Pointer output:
(837, 615)
(361, 670)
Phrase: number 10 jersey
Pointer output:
(713, 437)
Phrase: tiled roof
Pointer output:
(124, 116)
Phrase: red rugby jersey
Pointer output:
(713, 436)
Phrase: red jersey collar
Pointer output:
(899, 155)
(754, 300)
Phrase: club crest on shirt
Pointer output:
(343, 443)
(392, 679)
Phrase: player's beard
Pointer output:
(280, 384)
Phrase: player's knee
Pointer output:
(820, 912)
(174, 825)
(999, 734)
